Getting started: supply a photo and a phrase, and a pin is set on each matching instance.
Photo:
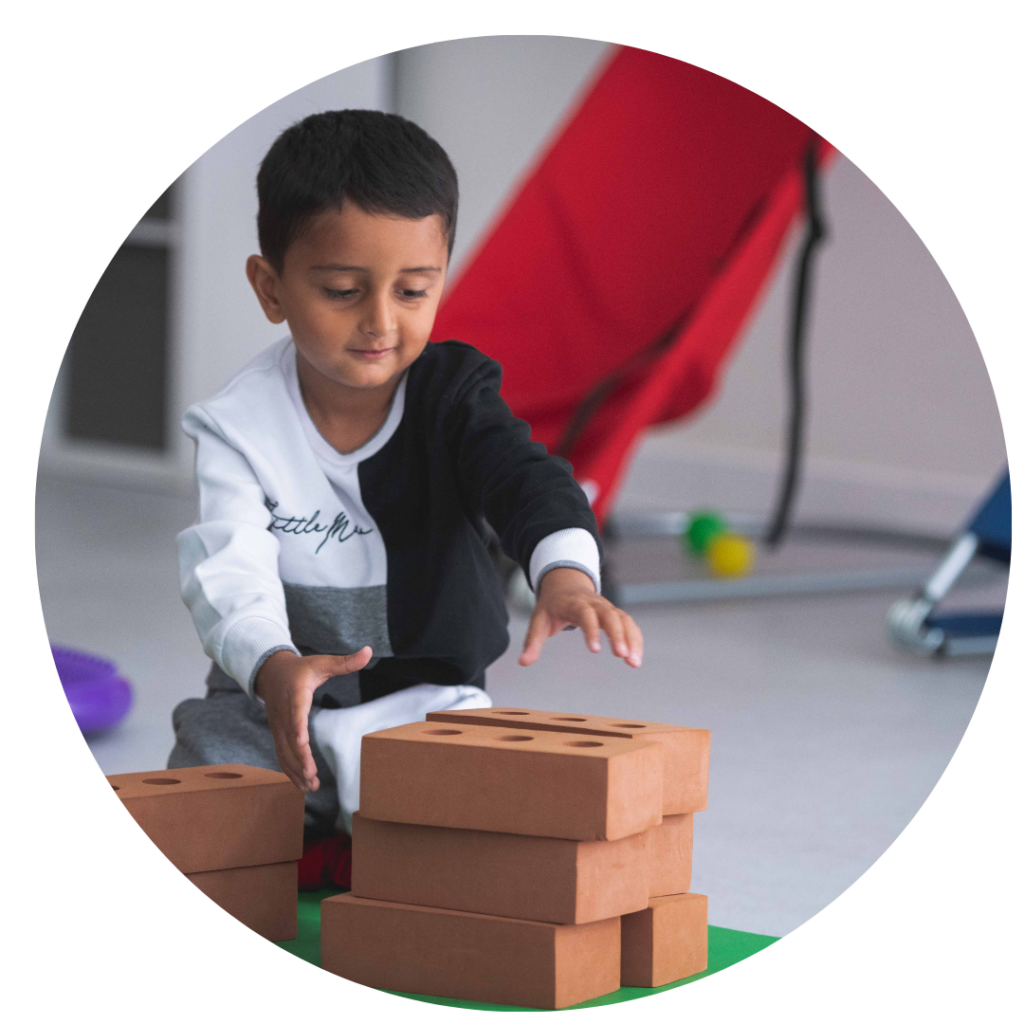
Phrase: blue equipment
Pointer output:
(914, 623)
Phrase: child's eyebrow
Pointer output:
(340, 267)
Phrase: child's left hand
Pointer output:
(566, 597)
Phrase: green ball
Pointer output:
(704, 527)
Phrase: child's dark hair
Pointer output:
(381, 162)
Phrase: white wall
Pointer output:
(492, 103)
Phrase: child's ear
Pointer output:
(264, 280)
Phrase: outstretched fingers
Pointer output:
(292, 743)
(623, 633)
(611, 621)
(300, 741)
(537, 632)
(288, 759)
(634, 639)
(590, 623)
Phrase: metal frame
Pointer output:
(910, 624)
(672, 524)
(906, 618)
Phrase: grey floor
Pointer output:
(825, 740)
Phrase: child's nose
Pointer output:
(378, 319)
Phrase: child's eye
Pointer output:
(407, 293)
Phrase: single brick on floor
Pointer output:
(670, 855)
(687, 751)
(217, 816)
(666, 942)
(562, 881)
(264, 897)
(457, 955)
(499, 780)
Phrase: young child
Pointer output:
(338, 574)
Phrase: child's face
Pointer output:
(359, 292)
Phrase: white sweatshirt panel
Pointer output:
(365, 561)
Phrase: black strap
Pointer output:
(814, 233)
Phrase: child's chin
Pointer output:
(370, 376)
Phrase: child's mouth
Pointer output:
(371, 355)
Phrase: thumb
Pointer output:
(329, 665)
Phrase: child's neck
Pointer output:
(346, 417)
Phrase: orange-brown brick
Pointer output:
(687, 751)
(670, 855)
(531, 877)
(217, 816)
(264, 897)
(666, 942)
(456, 955)
(495, 780)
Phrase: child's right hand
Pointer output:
(285, 683)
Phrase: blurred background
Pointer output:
(826, 736)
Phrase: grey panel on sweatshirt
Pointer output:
(339, 620)
(330, 620)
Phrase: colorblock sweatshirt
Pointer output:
(299, 547)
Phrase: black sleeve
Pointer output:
(523, 492)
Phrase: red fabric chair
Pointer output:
(617, 280)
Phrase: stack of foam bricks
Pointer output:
(523, 857)
(235, 831)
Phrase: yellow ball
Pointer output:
(729, 554)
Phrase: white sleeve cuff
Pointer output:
(574, 548)
(247, 644)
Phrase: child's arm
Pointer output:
(566, 597)
(532, 500)
(228, 562)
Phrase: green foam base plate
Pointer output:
(725, 948)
